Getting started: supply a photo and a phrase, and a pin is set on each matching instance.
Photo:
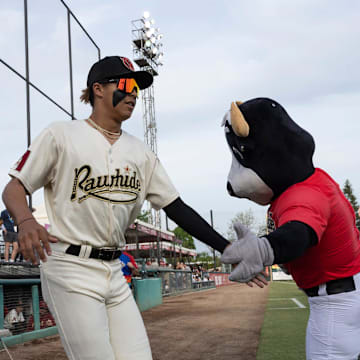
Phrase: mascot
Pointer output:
(315, 236)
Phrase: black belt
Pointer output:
(96, 253)
(334, 287)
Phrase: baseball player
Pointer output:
(95, 177)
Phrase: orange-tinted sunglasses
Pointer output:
(125, 85)
(128, 86)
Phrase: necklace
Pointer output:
(107, 133)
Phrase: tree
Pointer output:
(349, 194)
(246, 218)
(207, 260)
(187, 239)
(204, 257)
(144, 216)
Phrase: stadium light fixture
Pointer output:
(147, 43)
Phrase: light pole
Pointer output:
(147, 54)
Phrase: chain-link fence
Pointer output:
(22, 308)
(176, 281)
(204, 284)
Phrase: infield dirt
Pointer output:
(219, 324)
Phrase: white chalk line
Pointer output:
(298, 304)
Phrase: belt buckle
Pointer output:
(107, 254)
(113, 254)
(103, 254)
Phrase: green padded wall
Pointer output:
(147, 293)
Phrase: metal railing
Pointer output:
(22, 309)
(198, 285)
(175, 281)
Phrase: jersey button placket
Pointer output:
(110, 156)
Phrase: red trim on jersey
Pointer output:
(23, 161)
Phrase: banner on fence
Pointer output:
(220, 279)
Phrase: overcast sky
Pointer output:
(304, 54)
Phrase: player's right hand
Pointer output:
(33, 239)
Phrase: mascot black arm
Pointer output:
(194, 224)
(291, 240)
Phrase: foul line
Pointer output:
(298, 304)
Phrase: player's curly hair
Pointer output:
(87, 96)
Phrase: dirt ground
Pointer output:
(221, 324)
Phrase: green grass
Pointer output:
(283, 332)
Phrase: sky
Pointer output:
(302, 53)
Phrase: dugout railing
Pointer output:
(175, 281)
(24, 315)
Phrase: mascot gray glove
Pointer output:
(252, 254)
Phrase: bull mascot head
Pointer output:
(270, 152)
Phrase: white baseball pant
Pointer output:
(333, 330)
(93, 307)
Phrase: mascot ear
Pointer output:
(238, 122)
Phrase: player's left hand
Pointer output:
(251, 254)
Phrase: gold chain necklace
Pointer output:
(107, 133)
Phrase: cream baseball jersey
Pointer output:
(93, 190)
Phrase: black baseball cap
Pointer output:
(111, 67)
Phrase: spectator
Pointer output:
(129, 266)
(14, 320)
(46, 320)
(10, 236)
(181, 266)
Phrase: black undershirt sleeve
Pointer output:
(194, 224)
(291, 240)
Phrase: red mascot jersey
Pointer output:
(319, 202)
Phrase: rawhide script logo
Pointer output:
(122, 187)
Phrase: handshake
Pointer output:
(250, 254)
